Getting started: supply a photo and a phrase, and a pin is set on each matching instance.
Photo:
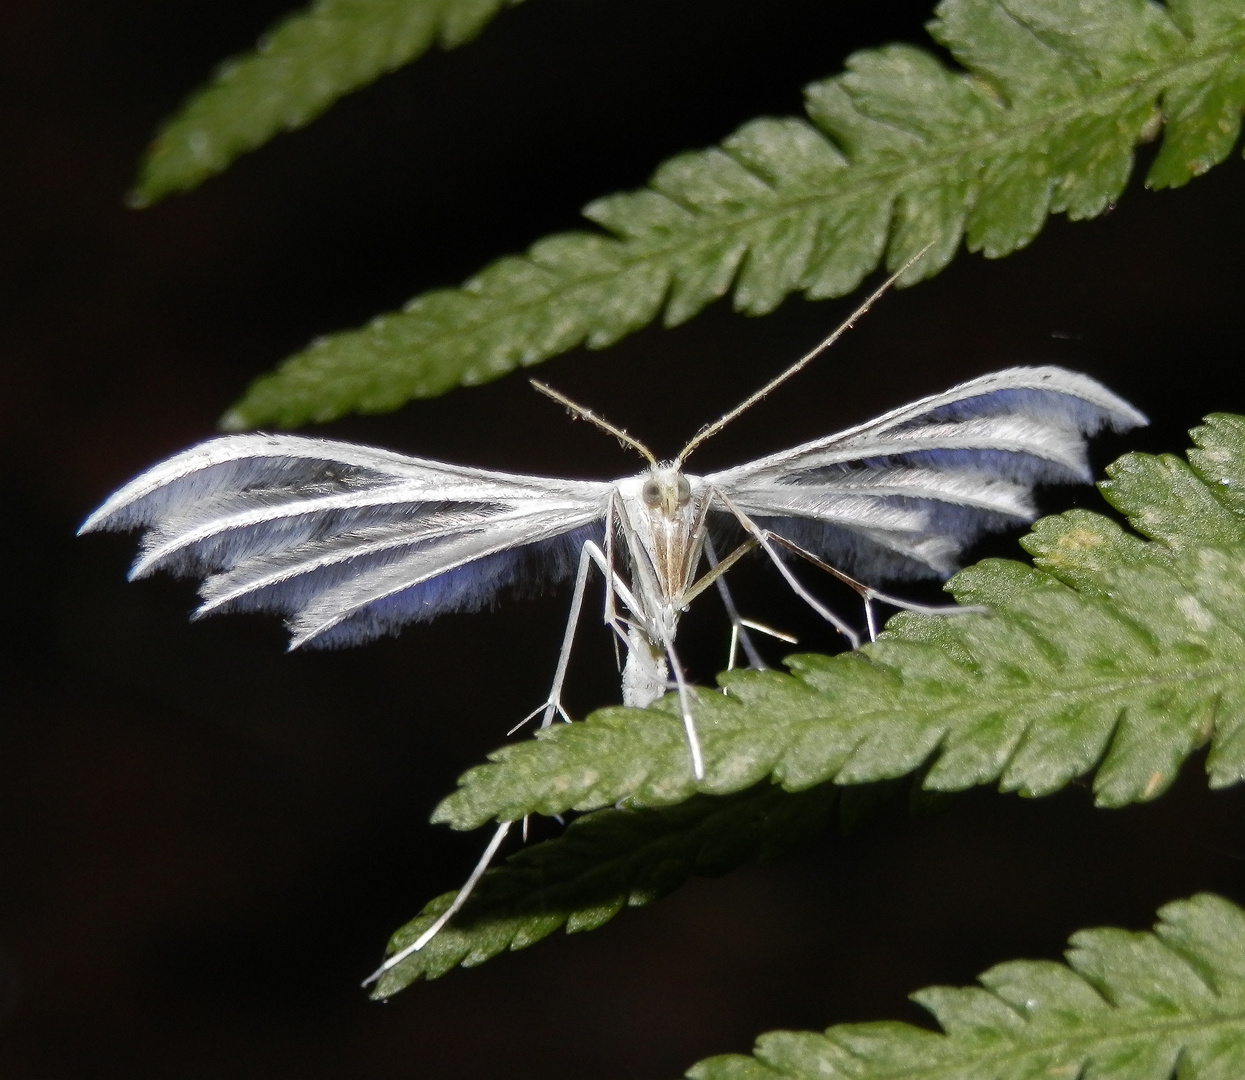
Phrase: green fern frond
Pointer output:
(901, 152)
(1115, 654)
(604, 862)
(1129, 1006)
(300, 67)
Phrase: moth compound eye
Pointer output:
(683, 490)
(651, 494)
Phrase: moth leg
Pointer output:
(763, 538)
(553, 703)
(588, 555)
(685, 707)
(614, 588)
(868, 594)
(607, 568)
(739, 632)
(455, 906)
(929, 609)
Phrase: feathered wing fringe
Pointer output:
(905, 494)
(348, 542)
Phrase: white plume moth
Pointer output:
(350, 542)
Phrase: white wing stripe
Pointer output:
(959, 489)
(1061, 445)
(400, 499)
(335, 605)
(429, 476)
(263, 571)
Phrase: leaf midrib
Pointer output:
(970, 702)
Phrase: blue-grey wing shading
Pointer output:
(348, 542)
(903, 495)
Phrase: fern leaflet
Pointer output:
(603, 862)
(898, 152)
(1115, 654)
(1132, 1006)
(300, 67)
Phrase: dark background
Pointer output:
(204, 841)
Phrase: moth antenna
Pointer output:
(593, 418)
(712, 429)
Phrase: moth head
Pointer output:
(666, 490)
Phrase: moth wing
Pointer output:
(348, 541)
(905, 493)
